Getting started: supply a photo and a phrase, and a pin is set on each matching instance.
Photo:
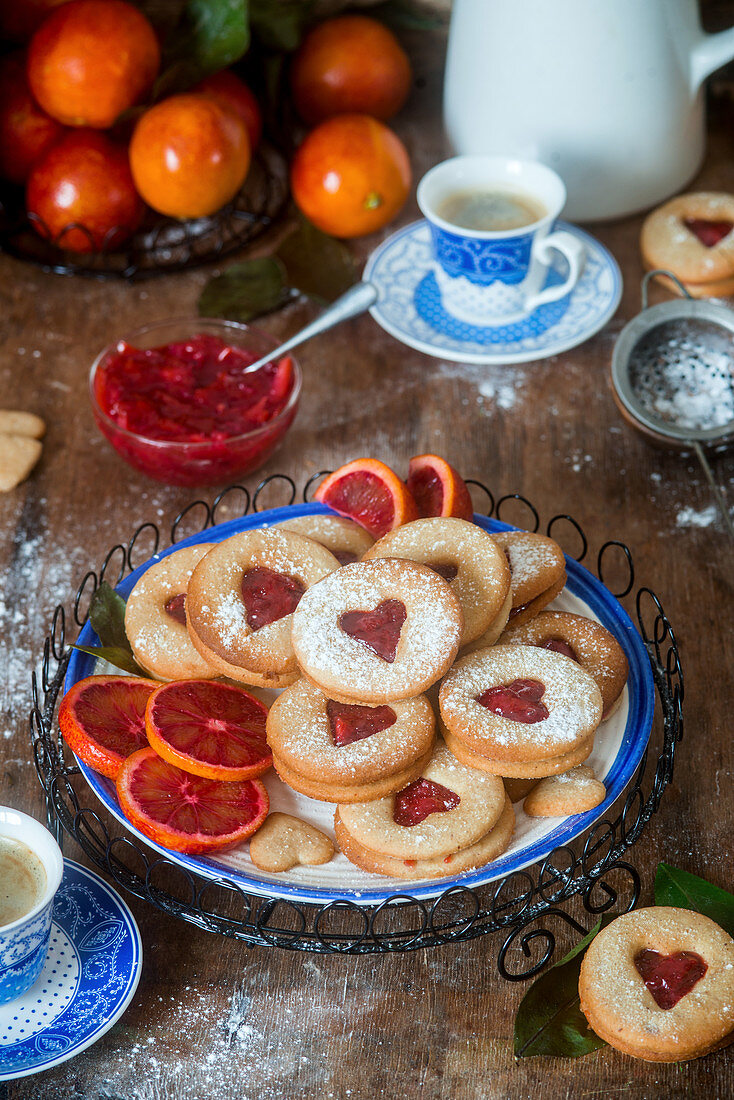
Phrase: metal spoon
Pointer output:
(356, 300)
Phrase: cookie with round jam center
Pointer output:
(558, 645)
(176, 608)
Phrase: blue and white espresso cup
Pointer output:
(497, 276)
(24, 942)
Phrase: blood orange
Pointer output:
(209, 729)
(368, 492)
(102, 719)
(438, 489)
(187, 813)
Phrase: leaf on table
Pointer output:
(210, 35)
(683, 890)
(114, 655)
(549, 1019)
(316, 264)
(279, 24)
(245, 290)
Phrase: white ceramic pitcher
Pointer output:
(606, 92)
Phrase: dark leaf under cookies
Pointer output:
(107, 618)
(683, 890)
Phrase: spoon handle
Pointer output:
(356, 300)
(721, 503)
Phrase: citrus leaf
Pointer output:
(209, 36)
(245, 290)
(549, 1019)
(107, 616)
(316, 264)
(114, 655)
(279, 24)
(683, 890)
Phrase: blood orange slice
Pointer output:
(438, 489)
(188, 813)
(102, 719)
(209, 729)
(370, 493)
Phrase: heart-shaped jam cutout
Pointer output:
(559, 645)
(345, 557)
(350, 722)
(379, 630)
(669, 977)
(447, 570)
(708, 232)
(269, 596)
(519, 701)
(176, 608)
(423, 797)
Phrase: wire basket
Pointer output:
(522, 907)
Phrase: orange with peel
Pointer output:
(370, 493)
(102, 719)
(438, 489)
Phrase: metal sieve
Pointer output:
(672, 376)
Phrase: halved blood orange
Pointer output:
(370, 493)
(102, 719)
(438, 489)
(209, 729)
(187, 813)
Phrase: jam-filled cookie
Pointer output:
(155, 618)
(691, 235)
(241, 598)
(346, 539)
(659, 984)
(465, 556)
(583, 640)
(346, 752)
(376, 631)
(538, 572)
(572, 792)
(519, 711)
(451, 819)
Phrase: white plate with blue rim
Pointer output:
(411, 310)
(618, 748)
(90, 976)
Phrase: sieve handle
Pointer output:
(669, 275)
(721, 503)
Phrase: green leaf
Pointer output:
(114, 655)
(209, 36)
(686, 891)
(279, 24)
(316, 264)
(107, 616)
(245, 290)
(549, 1020)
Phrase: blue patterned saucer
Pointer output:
(410, 307)
(88, 980)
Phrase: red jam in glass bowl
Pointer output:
(175, 402)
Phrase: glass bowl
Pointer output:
(201, 462)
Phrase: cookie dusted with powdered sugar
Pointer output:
(537, 575)
(346, 540)
(571, 792)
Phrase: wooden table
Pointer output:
(212, 1017)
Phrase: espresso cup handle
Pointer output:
(573, 250)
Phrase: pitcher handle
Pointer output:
(574, 251)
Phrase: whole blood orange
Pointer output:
(81, 195)
(102, 719)
(189, 155)
(438, 489)
(351, 175)
(90, 60)
(188, 813)
(349, 64)
(228, 90)
(370, 493)
(25, 130)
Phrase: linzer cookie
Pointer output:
(538, 572)
(283, 842)
(583, 640)
(377, 631)
(451, 819)
(572, 792)
(691, 235)
(346, 752)
(519, 711)
(240, 601)
(155, 618)
(345, 538)
(465, 556)
(659, 984)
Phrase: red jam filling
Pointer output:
(519, 701)
(669, 977)
(351, 722)
(379, 630)
(191, 391)
(447, 570)
(176, 608)
(345, 557)
(423, 797)
(708, 232)
(269, 596)
(559, 645)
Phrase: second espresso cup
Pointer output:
(491, 220)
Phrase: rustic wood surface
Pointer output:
(212, 1017)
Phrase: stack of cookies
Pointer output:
(691, 236)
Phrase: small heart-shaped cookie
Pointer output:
(379, 630)
(18, 455)
(283, 842)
